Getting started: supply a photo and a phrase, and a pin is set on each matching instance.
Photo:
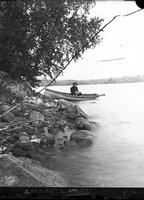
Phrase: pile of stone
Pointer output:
(82, 133)
(36, 123)
(30, 127)
(23, 124)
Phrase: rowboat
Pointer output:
(67, 96)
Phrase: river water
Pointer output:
(116, 158)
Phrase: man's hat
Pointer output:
(75, 83)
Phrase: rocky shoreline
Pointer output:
(32, 125)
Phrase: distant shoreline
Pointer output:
(125, 79)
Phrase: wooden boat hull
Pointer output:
(63, 95)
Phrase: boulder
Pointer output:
(24, 172)
(4, 108)
(18, 111)
(82, 137)
(81, 113)
(47, 141)
(63, 104)
(46, 113)
(22, 149)
(74, 111)
(26, 145)
(35, 115)
(24, 138)
(4, 99)
(60, 141)
(8, 117)
(18, 152)
(70, 145)
(70, 110)
(83, 124)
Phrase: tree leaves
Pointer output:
(40, 37)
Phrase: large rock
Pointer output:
(82, 137)
(23, 148)
(3, 98)
(74, 111)
(83, 124)
(47, 114)
(70, 110)
(8, 117)
(70, 145)
(23, 172)
(27, 145)
(24, 138)
(36, 116)
(80, 112)
(4, 108)
(63, 104)
(47, 141)
(18, 152)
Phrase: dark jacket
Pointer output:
(73, 90)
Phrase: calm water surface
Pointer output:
(116, 158)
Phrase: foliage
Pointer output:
(123, 79)
(39, 37)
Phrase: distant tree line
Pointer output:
(124, 79)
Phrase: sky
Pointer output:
(123, 38)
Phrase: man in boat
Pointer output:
(74, 90)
